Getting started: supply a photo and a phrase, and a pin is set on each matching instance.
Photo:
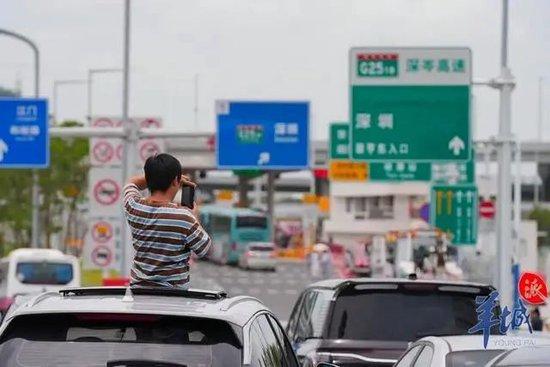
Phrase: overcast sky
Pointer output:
(264, 49)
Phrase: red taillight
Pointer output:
(247, 254)
(273, 254)
(5, 303)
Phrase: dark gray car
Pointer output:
(369, 322)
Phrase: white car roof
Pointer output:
(458, 343)
(237, 310)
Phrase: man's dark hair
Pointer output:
(160, 171)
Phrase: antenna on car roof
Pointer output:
(128, 295)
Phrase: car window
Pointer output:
(425, 357)
(283, 341)
(471, 357)
(304, 328)
(44, 273)
(85, 339)
(408, 358)
(291, 326)
(401, 315)
(265, 349)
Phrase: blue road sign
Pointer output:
(24, 139)
(262, 135)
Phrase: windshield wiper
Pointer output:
(142, 363)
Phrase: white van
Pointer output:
(28, 271)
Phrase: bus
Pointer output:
(33, 271)
(231, 229)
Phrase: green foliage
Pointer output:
(542, 217)
(4, 92)
(62, 186)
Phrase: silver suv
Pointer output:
(123, 327)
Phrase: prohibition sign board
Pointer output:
(102, 256)
(102, 232)
(103, 151)
(149, 149)
(150, 123)
(103, 122)
(106, 191)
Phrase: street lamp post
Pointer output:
(56, 85)
(91, 73)
(35, 193)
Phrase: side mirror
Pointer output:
(324, 364)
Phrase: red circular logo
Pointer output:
(532, 288)
(106, 191)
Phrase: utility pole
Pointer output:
(505, 139)
(35, 235)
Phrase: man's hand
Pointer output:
(139, 181)
(186, 181)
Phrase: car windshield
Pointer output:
(471, 358)
(401, 315)
(260, 248)
(96, 339)
(251, 221)
(44, 273)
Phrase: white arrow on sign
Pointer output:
(469, 196)
(456, 145)
(4, 148)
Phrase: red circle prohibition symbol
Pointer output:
(103, 151)
(106, 191)
(102, 256)
(102, 232)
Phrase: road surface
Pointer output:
(278, 290)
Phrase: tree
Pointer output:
(542, 217)
(63, 184)
(62, 187)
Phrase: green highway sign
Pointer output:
(339, 140)
(400, 171)
(454, 209)
(437, 173)
(410, 104)
(454, 172)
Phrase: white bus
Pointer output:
(31, 271)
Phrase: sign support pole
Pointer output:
(504, 208)
(130, 142)
(270, 202)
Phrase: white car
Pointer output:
(465, 350)
(259, 255)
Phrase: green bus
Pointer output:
(231, 229)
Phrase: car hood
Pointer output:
(370, 349)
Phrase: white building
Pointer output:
(360, 210)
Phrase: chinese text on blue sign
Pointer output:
(262, 135)
(24, 140)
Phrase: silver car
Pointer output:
(259, 255)
(118, 326)
(465, 350)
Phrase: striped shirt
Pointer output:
(163, 236)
